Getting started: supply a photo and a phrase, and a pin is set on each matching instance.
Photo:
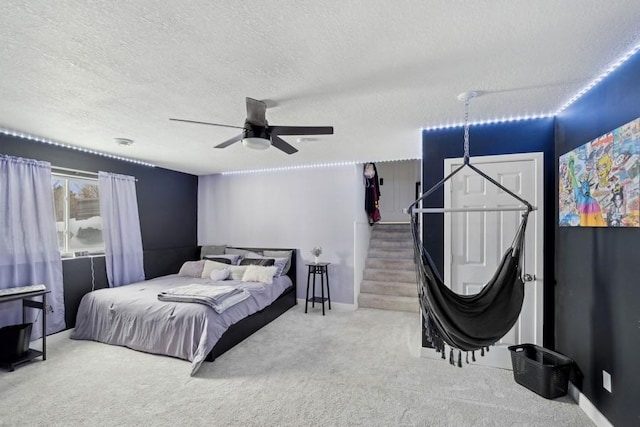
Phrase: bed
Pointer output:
(132, 316)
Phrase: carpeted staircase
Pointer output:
(389, 277)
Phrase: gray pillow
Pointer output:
(212, 250)
(280, 254)
(233, 259)
(265, 262)
(191, 269)
(218, 258)
(244, 252)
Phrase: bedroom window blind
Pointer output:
(77, 211)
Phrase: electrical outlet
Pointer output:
(606, 380)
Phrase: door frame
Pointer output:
(536, 217)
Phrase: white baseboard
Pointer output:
(58, 336)
(587, 407)
(429, 353)
(339, 306)
(585, 404)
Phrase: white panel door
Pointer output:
(476, 241)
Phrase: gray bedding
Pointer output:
(132, 316)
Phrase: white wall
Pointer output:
(290, 209)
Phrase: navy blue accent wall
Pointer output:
(598, 269)
(485, 140)
(168, 209)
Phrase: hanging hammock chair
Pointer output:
(469, 322)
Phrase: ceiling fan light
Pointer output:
(256, 143)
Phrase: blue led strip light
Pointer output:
(72, 147)
(601, 77)
(573, 99)
(284, 168)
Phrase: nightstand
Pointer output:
(318, 269)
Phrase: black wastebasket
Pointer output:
(14, 341)
(542, 371)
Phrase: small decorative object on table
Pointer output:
(316, 252)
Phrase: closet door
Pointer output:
(476, 241)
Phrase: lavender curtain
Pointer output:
(29, 252)
(121, 228)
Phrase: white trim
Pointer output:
(361, 240)
(587, 407)
(52, 339)
(429, 353)
(338, 306)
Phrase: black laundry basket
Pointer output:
(14, 341)
(542, 371)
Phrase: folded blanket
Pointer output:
(217, 297)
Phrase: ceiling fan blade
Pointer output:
(205, 123)
(256, 112)
(228, 142)
(301, 130)
(280, 144)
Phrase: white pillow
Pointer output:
(279, 263)
(209, 266)
(219, 275)
(257, 273)
(236, 271)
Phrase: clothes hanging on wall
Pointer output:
(372, 192)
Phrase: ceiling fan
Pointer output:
(259, 135)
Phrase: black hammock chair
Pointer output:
(469, 322)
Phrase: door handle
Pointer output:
(529, 278)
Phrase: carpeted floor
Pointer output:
(358, 368)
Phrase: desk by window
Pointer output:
(315, 269)
(29, 303)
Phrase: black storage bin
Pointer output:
(542, 371)
(14, 341)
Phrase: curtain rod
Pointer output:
(75, 172)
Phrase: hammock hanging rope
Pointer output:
(469, 322)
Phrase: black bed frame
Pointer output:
(247, 326)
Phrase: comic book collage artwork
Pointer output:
(600, 181)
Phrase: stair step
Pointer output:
(394, 253)
(391, 235)
(392, 227)
(389, 302)
(395, 244)
(391, 264)
(389, 288)
(382, 275)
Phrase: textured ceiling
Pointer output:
(85, 72)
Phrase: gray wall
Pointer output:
(167, 203)
(597, 270)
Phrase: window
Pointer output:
(78, 221)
